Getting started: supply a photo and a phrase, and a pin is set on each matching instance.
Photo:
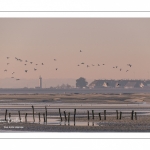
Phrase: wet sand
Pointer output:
(82, 102)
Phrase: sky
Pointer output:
(110, 41)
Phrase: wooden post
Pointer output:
(68, 117)
(19, 116)
(65, 116)
(99, 116)
(10, 117)
(33, 113)
(104, 114)
(93, 114)
(44, 117)
(39, 118)
(132, 114)
(75, 111)
(117, 114)
(120, 115)
(60, 115)
(45, 114)
(5, 114)
(88, 115)
(26, 117)
(135, 116)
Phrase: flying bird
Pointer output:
(5, 70)
(103, 64)
(98, 65)
(116, 66)
(87, 65)
(120, 69)
(31, 62)
(17, 79)
(80, 51)
(35, 69)
(12, 77)
(26, 70)
(13, 72)
(92, 65)
(42, 64)
(7, 63)
(54, 59)
(56, 68)
(36, 64)
(7, 57)
(78, 65)
(127, 70)
(82, 63)
(26, 61)
(129, 65)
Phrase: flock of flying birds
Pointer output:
(26, 61)
(104, 64)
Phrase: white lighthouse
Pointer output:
(40, 82)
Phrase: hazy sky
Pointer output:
(112, 41)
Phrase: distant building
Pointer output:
(40, 82)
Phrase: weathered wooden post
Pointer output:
(60, 115)
(19, 116)
(65, 116)
(74, 116)
(10, 117)
(45, 114)
(26, 117)
(33, 113)
(88, 115)
(39, 118)
(68, 118)
(44, 117)
(5, 114)
(132, 114)
(104, 114)
(93, 114)
(99, 116)
(120, 115)
(135, 116)
(117, 114)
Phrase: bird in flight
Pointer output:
(80, 51)
(7, 57)
(36, 64)
(54, 59)
(25, 64)
(82, 63)
(31, 62)
(17, 79)
(116, 66)
(7, 63)
(127, 70)
(98, 65)
(35, 69)
(13, 72)
(26, 61)
(56, 68)
(103, 64)
(78, 65)
(5, 70)
(26, 70)
(42, 64)
(92, 65)
(120, 69)
(129, 65)
(12, 77)
(87, 65)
